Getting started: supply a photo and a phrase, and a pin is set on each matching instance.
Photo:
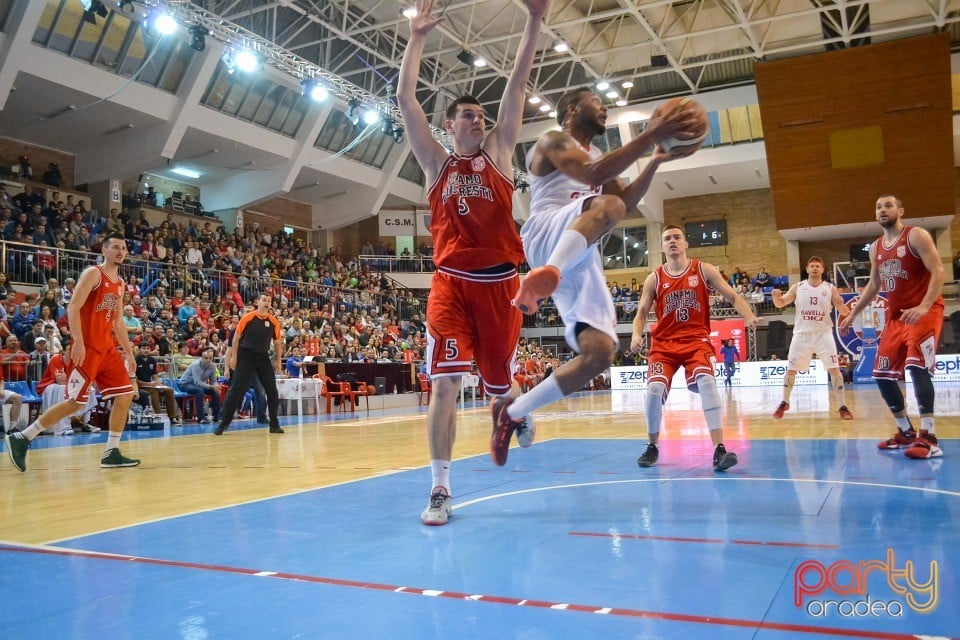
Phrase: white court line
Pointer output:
(872, 485)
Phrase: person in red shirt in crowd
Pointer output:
(14, 360)
(203, 314)
(233, 295)
(197, 343)
(177, 300)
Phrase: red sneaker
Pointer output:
(503, 428)
(784, 406)
(901, 439)
(925, 446)
(536, 287)
(845, 413)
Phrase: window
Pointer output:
(371, 146)
(411, 170)
(625, 247)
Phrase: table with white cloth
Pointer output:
(300, 390)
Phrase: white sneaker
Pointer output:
(526, 431)
(438, 509)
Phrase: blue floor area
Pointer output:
(569, 540)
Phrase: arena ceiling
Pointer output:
(662, 47)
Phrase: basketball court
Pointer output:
(316, 533)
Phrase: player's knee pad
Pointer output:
(656, 396)
(890, 390)
(922, 389)
(709, 394)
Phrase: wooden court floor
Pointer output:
(336, 503)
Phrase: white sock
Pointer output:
(113, 441)
(33, 430)
(904, 424)
(540, 396)
(788, 388)
(569, 250)
(440, 471)
(927, 423)
(838, 394)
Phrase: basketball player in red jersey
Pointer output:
(476, 246)
(680, 292)
(95, 318)
(905, 265)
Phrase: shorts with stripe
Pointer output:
(469, 317)
(909, 345)
(107, 369)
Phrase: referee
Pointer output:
(249, 356)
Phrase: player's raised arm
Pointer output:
(560, 151)
(428, 152)
(504, 135)
(632, 193)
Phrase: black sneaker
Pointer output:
(113, 459)
(722, 459)
(276, 430)
(17, 445)
(649, 457)
(219, 429)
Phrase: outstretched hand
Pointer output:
(424, 22)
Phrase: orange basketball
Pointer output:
(693, 139)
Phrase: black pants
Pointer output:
(251, 365)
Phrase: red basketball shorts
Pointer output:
(470, 320)
(697, 357)
(908, 345)
(106, 368)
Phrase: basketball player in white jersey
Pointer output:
(812, 333)
(576, 198)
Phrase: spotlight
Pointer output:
(247, 61)
(397, 133)
(126, 6)
(470, 59)
(313, 89)
(198, 34)
(163, 23)
(371, 116)
(603, 85)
